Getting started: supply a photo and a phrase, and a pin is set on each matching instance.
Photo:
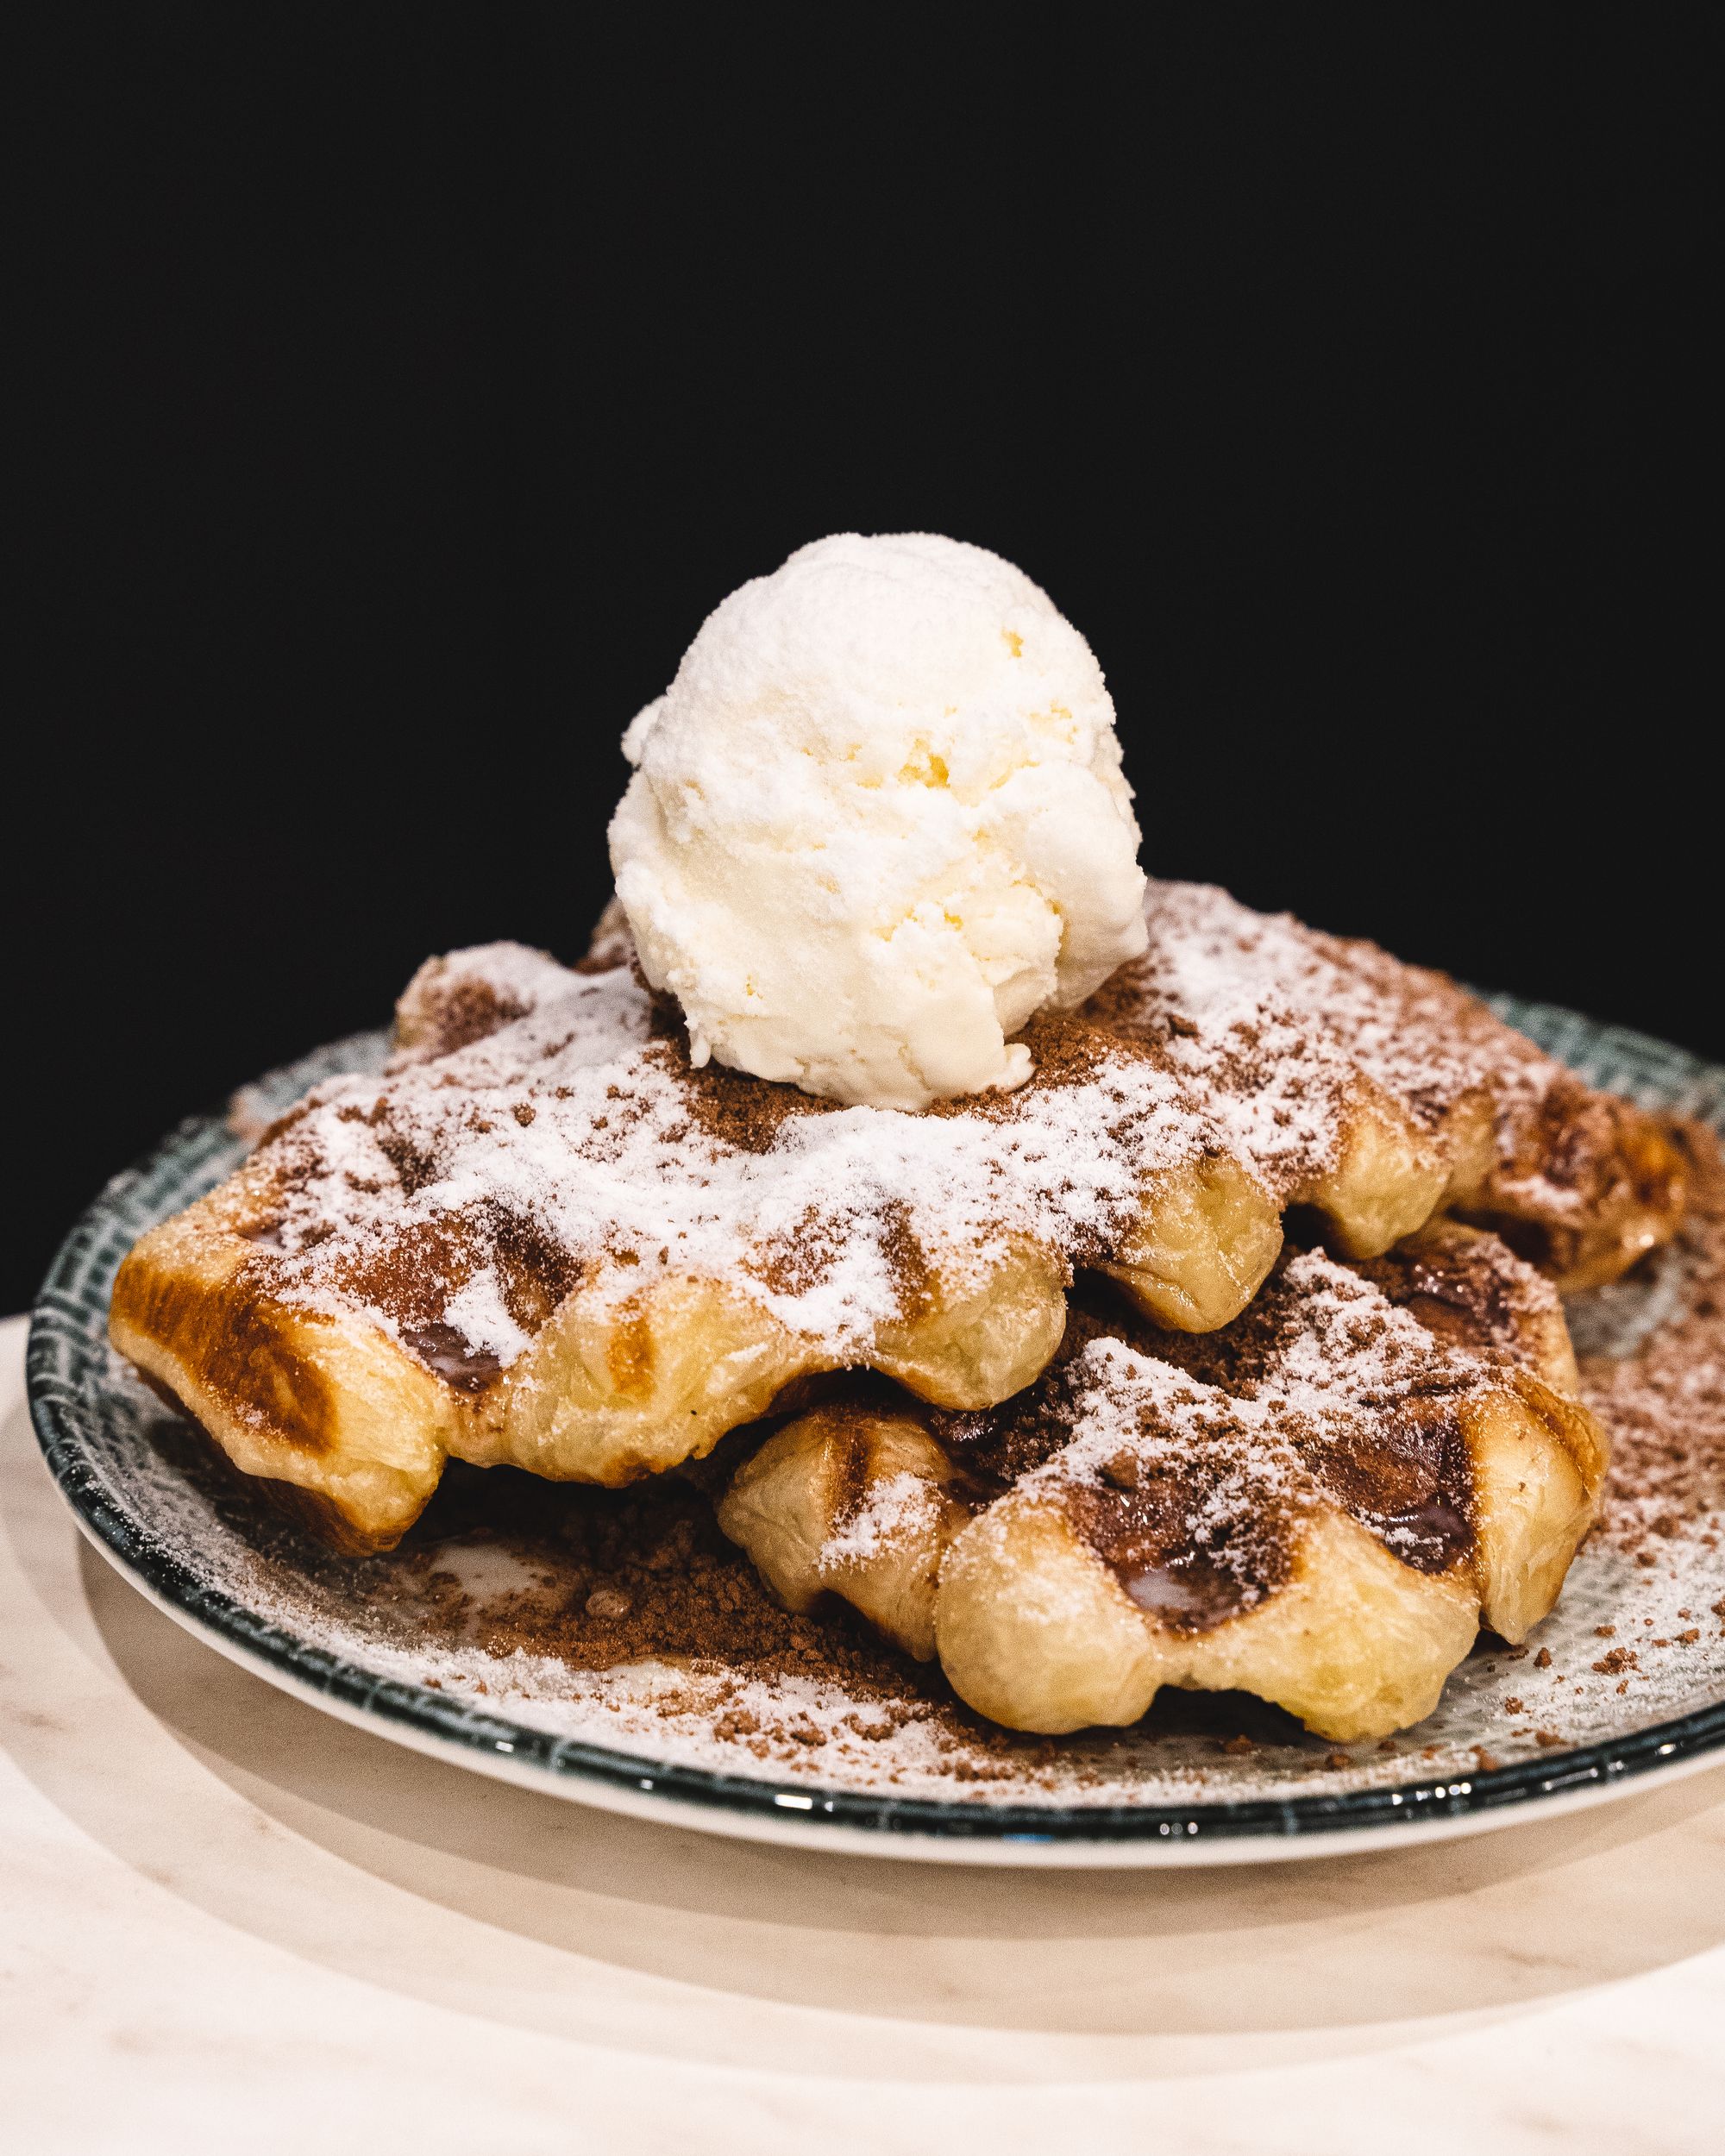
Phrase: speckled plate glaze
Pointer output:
(217, 1557)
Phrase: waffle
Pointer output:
(1378, 1093)
(1320, 1503)
(543, 1238)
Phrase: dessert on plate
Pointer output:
(1320, 1503)
(892, 1098)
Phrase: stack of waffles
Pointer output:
(1226, 1353)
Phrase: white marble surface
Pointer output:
(230, 1922)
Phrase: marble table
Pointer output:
(228, 1922)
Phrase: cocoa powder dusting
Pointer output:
(1664, 1408)
(531, 1096)
(605, 1580)
(503, 1565)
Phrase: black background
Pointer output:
(413, 381)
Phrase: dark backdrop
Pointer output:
(413, 380)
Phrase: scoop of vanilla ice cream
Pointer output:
(877, 821)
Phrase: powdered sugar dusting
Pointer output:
(479, 1314)
(1322, 1347)
(1310, 1006)
(1208, 1452)
(540, 1128)
(891, 1510)
(1352, 1349)
(568, 1131)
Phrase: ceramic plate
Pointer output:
(1202, 1780)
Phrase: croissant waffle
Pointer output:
(544, 1238)
(1320, 1503)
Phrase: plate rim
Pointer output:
(838, 1838)
(68, 1323)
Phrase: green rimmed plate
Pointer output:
(214, 1554)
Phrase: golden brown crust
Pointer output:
(1319, 1501)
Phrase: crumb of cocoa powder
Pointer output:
(643, 1576)
(1664, 1408)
